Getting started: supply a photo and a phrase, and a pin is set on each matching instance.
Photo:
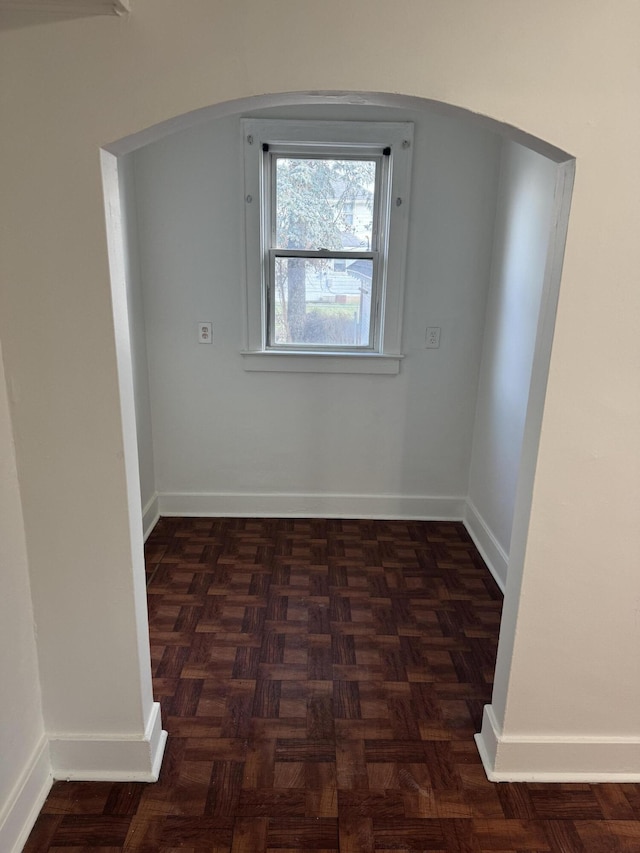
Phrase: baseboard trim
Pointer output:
(27, 798)
(512, 758)
(491, 551)
(404, 507)
(111, 758)
(150, 516)
(411, 507)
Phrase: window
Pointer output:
(326, 214)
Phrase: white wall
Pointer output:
(135, 304)
(218, 430)
(567, 687)
(521, 244)
(24, 763)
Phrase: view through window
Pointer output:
(323, 249)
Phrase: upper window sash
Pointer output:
(298, 151)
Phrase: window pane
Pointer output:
(324, 204)
(322, 302)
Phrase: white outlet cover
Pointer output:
(432, 340)
(205, 333)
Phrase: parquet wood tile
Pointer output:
(321, 682)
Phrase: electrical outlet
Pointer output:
(205, 333)
(432, 339)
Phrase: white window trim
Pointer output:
(398, 136)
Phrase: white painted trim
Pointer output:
(202, 115)
(115, 219)
(532, 429)
(558, 758)
(110, 758)
(389, 250)
(21, 810)
(491, 551)
(419, 507)
(150, 516)
(279, 362)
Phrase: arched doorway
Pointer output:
(518, 159)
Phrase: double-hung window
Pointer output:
(326, 216)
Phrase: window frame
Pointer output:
(330, 139)
(272, 252)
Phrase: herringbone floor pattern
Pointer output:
(321, 682)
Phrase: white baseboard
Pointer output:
(278, 505)
(513, 758)
(27, 798)
(110, 758)
(491, 551)
(417, 507)
(150, 516)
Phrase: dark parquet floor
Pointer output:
(321, 682)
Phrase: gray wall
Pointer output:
(137, 332)
(220, 431)
(522, 232)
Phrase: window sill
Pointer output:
(315, 362)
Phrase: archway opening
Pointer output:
(488, 220)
